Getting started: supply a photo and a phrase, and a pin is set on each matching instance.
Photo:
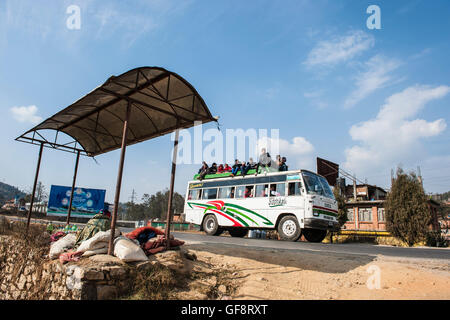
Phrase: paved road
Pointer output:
(343, 248)
(335, 248)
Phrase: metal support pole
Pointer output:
(73, 187)
(35, 183)
(172, 180)
(119, 180)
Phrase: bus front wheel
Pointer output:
(314, 235)
(289, 229)
(211, 226)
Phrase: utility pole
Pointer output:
(354, 187)
(133, 196)
(419, 175)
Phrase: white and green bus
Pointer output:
(291, 202)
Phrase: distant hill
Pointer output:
(8, 192)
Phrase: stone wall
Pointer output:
(26, 273)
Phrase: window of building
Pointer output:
(294, 189)
(209, 194)
(351, 214)
(365, 214)
(381, 216)
(226, 193)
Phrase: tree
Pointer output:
(406, 209)
(41, 193)
(154, 206)
(342, 212)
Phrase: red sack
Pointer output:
(159, 244)
(136, 232)
(70, 256)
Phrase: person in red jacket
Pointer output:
(220, 169)
(227, 168)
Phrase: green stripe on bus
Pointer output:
(236, 211)
(325, 212)
(253, 212)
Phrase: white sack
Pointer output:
(99, 241)
(94, 252)
(58, 247)
(127, 250)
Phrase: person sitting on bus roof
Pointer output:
(227, 168)
(235, 168)
(220, 169)
(213, 169)
(252, 163)
(283, 166)
(203, 171)
(263, 161)
(244, 168)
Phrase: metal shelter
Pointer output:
(138, 105)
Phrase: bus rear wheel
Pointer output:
(238, 232)
(211, 226)
(289, 229)
(314, 235)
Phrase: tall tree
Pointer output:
(406, 208)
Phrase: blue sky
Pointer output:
(367, 99)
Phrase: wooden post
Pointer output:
(172, 180)
(35, 183)
(73, 187)
(119, 179)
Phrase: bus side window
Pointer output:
(209, 194)
(240, 191)
(248, 192)
(261, 190)
(226, 193)
(294, 189)
(277, 189)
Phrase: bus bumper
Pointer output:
(312, 223)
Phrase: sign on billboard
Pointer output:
(86, 202)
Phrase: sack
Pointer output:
(58, 247)
(127, 250)
(96, 251)
(98, 241)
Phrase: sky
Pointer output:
(369, 99)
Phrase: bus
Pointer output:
(294, 203)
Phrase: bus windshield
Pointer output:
(317, 185)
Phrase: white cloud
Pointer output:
(26, 114)
(375, 76)
(339, 50)
(298, 151)
(394, 137)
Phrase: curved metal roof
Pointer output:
(161, 102)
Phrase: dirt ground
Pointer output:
(286, 274)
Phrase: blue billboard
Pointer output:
(85, 203)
